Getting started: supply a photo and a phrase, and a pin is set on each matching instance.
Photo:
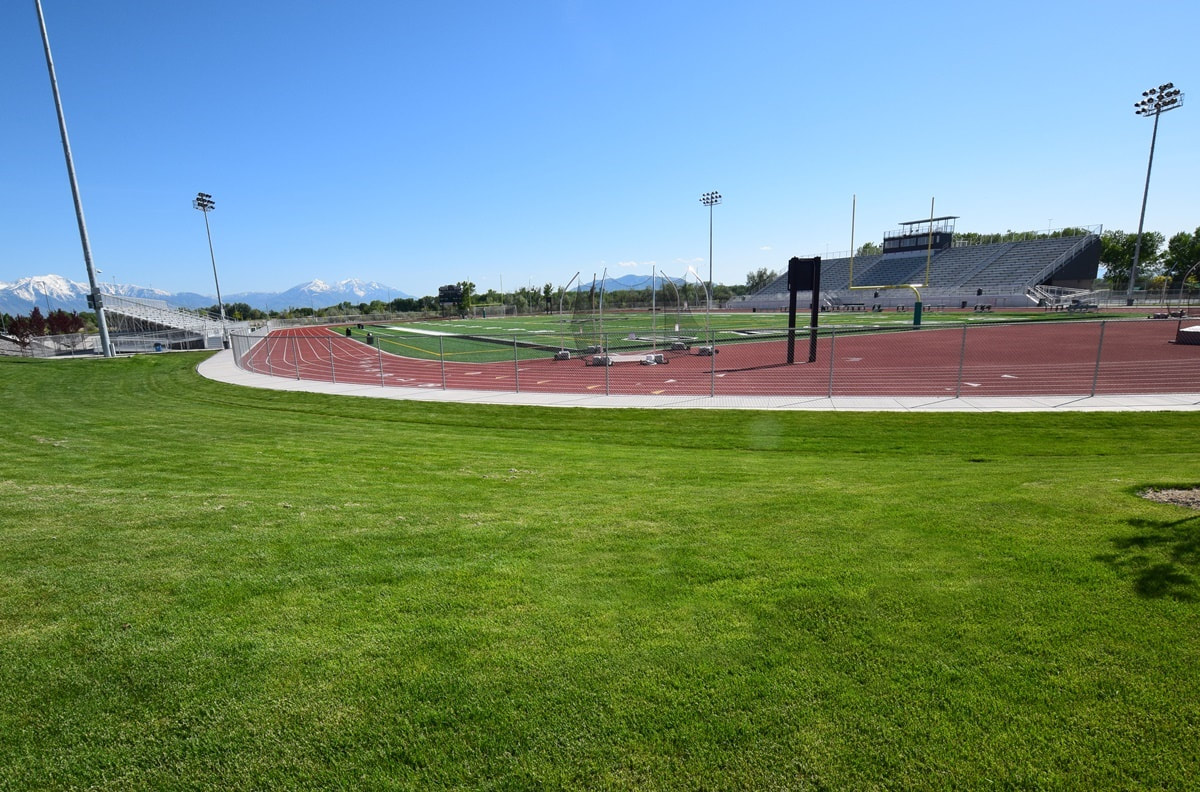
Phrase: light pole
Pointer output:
(46, 294)
(710, 199)
(1154, 102)
(204, 202)
(94, 300)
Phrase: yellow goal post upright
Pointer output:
(912, 231)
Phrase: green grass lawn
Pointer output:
(211, 587)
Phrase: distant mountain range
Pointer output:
(55, 292)
(625, 282)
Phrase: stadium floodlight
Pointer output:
(93, 287)
(204, 202)
(710, 199)
(1154, 102)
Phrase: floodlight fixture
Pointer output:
(1154, 103)
(204, 202)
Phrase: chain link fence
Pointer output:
(1079, 357)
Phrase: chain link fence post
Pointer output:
(442, 358)
(607, 353)
(332, 366)
(516, 366)
(962, 356)
(712, 365)
(832, 340)
(1099, 350)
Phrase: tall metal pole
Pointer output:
(1137, 248)
(1155, 101)
(710, 199)
(204, 202)
(96, 300)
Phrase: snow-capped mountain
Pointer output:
(52, 292)
(626, 282)
(317, 294)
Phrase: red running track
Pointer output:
(1031, 359)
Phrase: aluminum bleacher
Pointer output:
(156, 314)
(957, 275)
(1020, 264)
(892, 270)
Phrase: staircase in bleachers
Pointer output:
(1021, 263)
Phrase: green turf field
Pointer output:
(489, 340)
(211, 587)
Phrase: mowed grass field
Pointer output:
(210, 587)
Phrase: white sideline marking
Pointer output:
(419, 331)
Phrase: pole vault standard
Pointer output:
(803, 274)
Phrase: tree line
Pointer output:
(25, 328)
(1158, 267)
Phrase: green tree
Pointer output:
(759, 278)
(237, 311)
(1116, 255)
(62, 323)
(37, 322)
(869, 249)
(25, 328)
(468, 295)
(1183, 253)
(410, 304)
(547, 292)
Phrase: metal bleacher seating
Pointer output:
(156, 314)
(956, 274)
(892, 270)
(1021, 263)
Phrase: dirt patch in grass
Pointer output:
(1180, 497)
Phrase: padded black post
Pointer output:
(803, 274)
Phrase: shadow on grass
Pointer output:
(1162, 558)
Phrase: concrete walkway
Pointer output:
(220, 367)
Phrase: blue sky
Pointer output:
(517, 143)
